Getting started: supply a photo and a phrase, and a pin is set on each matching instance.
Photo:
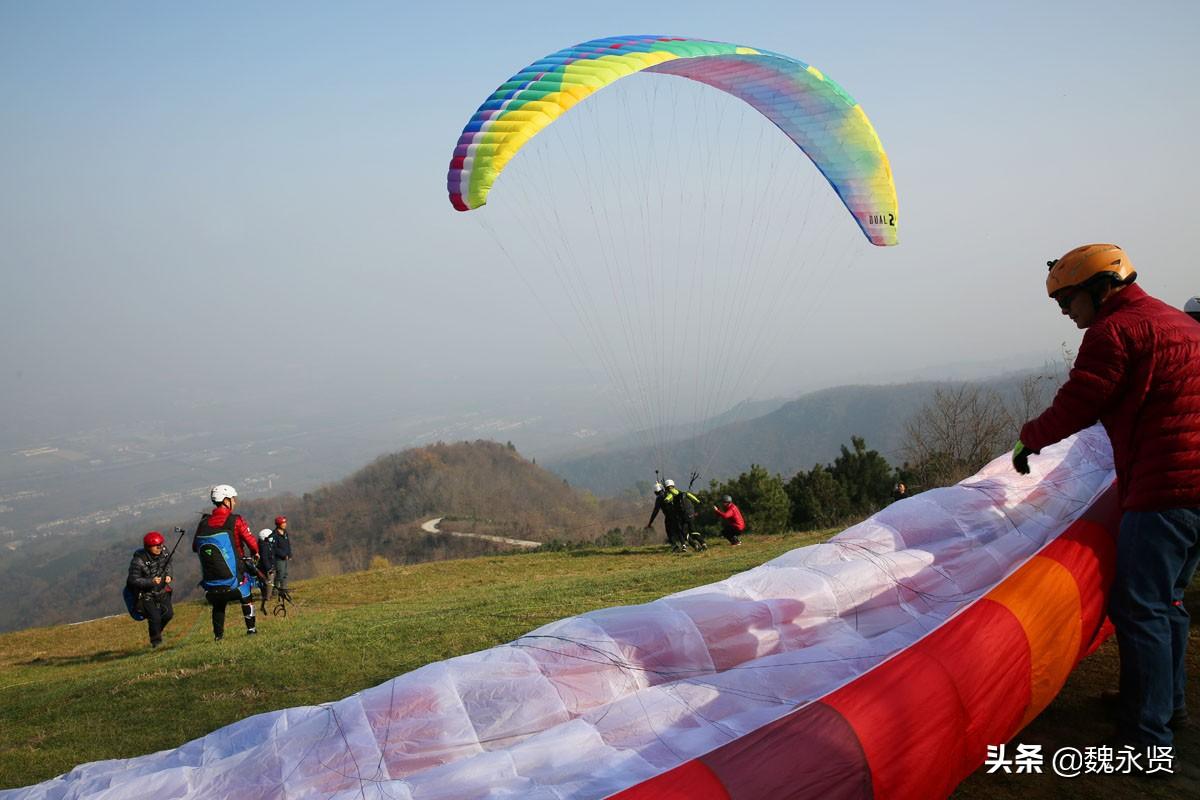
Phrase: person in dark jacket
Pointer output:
(282, 547)
(670, 513)
(1138, 373)
(266, 563)
(222, 541)
(151, 582)
(733, 524)
(684, 503)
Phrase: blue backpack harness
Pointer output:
(220, 568)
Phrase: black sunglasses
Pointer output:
(1065, 299)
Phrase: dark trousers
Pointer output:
(219, 598)
(281, 571)
(674, 533)
(1157, 553)
(731, 533)
(158, 612)
(264, 584)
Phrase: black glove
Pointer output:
(1020, 457)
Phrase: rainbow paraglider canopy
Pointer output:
(812, 110)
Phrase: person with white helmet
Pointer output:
(684, 504)
(226, 571)
(670, 514)
(1192, 308)
(1136, 373)
(266, 563)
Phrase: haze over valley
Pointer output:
(95, 481)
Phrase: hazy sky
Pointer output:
(214, 200)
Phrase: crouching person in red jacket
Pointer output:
(733, 525)
(1138, 373)
(227, 572)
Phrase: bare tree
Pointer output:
(963, 428)
(1031, 397)
(955, 434)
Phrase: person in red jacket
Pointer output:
(1138, 373)
(227, 550)
(732, 522)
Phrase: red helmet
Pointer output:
(279, 521)
(152, 538)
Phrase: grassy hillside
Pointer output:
(64, 691)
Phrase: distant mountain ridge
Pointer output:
(800, 433)
(806, 431)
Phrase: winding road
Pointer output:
(431, 526)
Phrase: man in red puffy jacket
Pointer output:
(1138, 373)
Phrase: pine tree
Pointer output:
(865, 476)
(818, 499)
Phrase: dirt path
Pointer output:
(431, 526)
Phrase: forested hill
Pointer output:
(484, 485)
(370, 518)
(801, 433)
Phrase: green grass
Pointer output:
(77, 693)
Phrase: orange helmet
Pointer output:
(1084, 263)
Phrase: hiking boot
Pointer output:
(252, 632)
(1111, 700)
(154, 645)
(218, 637)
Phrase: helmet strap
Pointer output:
(1101, 287)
